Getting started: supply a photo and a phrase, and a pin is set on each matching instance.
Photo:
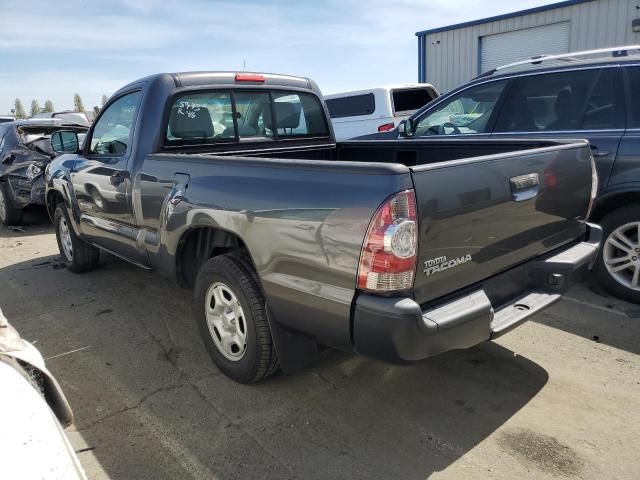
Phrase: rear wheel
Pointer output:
(78, 256)
(231, 317)
(9, 214)
(618, 264)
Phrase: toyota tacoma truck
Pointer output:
(233, 184)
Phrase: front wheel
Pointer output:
(231, 317)
(78, 255)
(618, 265)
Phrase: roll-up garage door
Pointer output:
(503, 48)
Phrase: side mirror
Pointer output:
(406, 128)
(65, 141)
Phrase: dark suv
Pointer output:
(563, 96)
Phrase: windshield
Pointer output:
(245, 115)
(465, 113)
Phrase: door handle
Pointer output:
(118, 177)
(598, 153)
(524, 187)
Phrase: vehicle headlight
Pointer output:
(33, 171)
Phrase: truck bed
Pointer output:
(468, 204)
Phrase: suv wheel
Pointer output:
(78, 256)
(9, 214)
(618, 265)
(230, 313)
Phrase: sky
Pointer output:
(53, 49)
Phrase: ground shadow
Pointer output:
(150, 404)
(590, 312)
(35, 221)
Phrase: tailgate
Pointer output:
(481, 216)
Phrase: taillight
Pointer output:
(594, 187)
(386, 127)
(389, 252)
(249, 77)
(550, 178)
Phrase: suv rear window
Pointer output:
(352, 106)
(409, 100)
(198, 118)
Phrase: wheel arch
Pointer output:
(610, 201)
(198, 244)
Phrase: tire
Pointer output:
(624, 221)
(249, 355)
(9, 214)
(78, 256)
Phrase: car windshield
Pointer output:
(465, 113)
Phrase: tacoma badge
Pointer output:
(439, 264)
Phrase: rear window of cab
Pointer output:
(231, 116)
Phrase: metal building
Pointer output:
(450, 56)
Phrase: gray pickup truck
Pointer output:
(399, 250)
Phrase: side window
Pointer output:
(2, 134)
(352, 106)
(298, 114)
(409, 100)
(571, 100)
(467, 112)
(111, 134)
(634, 87)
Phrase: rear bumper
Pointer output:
(399, 330)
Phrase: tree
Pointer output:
(19, 109)
(104, 100)
(77, 103)
(35, 108)
(48, 106)
(96, 110)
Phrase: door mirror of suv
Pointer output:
(406, 128)
(65, 141)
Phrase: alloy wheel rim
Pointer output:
(65, 239)
(226, 321)
(621, 255)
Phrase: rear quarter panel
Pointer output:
(303, 223)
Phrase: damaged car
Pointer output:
(25, 151)
(35, 413)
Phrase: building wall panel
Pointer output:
(451, 56)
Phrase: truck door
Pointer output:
(101, 179)
(586, 103)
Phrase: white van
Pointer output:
(379, 109)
